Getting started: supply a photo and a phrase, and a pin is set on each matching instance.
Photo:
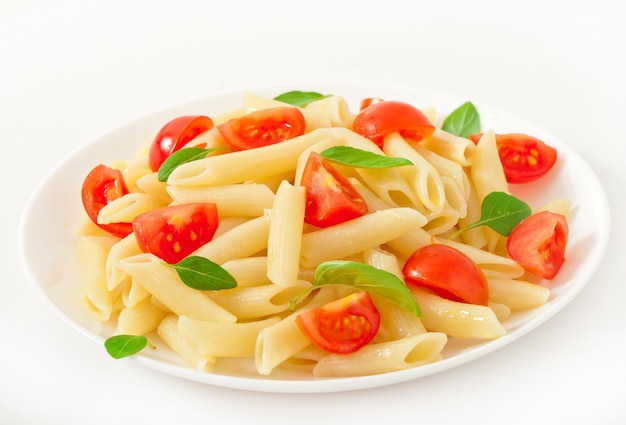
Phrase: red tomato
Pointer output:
(101, 186)
(173, 232)
(174, 135)
(524, 158)
(382, 118)
(538, 243)
(368, 101)
(330, 197)
(263, 127)
(342, 326)
(447, 272)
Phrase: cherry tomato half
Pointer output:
(381, 118)
(523, 157)
(174, 135)
(538, 243)
(330, 197)
(342, 326)
(263, 127)
(173, 232)
(447, 272)
(102, 185)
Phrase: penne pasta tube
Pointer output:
(354, 236)
(422, 176)
(456, 319)
(285, 235)
(517, 294)
(454, 148)
(127, 207)
(140, 319)
(183, 347)
(241, 241)
(165, 285)
(384, 357)
(92, 254)
(259, 163)
(242, 200)
(215, 339)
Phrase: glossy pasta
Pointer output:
(263, 242)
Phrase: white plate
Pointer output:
(51, 218)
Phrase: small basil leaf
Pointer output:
(182, 156)
(354, 157)
(364, 277)
(501, 212)
(463, 121)
(203, 274)
(300, 98)
(120, 346)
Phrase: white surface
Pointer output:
(70, 70)
(51, 218)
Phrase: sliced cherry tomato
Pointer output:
(102, 185)
(263, 127)
(538, 243)
(342, 326)
(173, 232)
(523, 157)
(330, 197)
(385, 117)
(174, 135)
(369, 101)
(447, 272)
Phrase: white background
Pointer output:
(70, 70)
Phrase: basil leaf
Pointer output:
(300, 98)
(501, 212)
(203, 274)
(365, 277)
(182, 156)
(463, 121)
(354, 157)
(120, 346)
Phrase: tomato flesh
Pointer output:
(173, 232)
(330, 197)
(380, 118)
(342, 326)
(447, 272)
(174, 135)
(538, 243)
(524, 158)
(101, 186)
(263, 127)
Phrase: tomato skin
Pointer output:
(342, 326)
(369, 101)
(102, 185)
(174, 135)
(524, 158)
(381, 118)
(447, 272)
(538, 243)
(330, 197)
(263, 127)
(173, 232)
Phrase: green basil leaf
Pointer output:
(354, 157)
(120, 346)
(300, 98)
(364, 277)
(182, 156)
(501, 212)
(203, 274)
(463, 121)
